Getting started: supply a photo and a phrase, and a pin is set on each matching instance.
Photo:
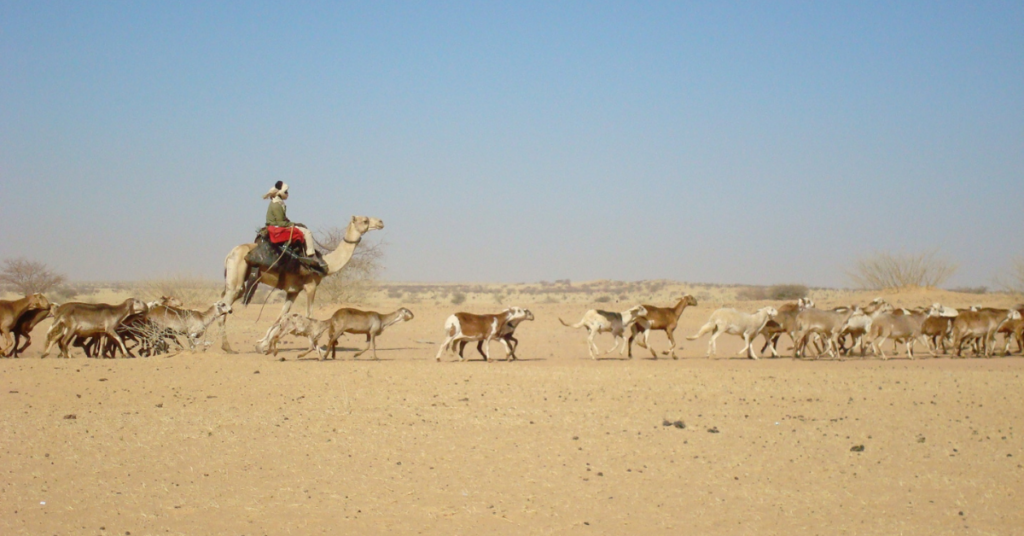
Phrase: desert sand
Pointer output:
(555, 443)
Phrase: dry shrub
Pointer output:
(359, 277)
(192, 291)
(787, 292)
(752, 293)
(458, 298)
(28, 277)
(971, 290)
(1014, 280)
(884, 270)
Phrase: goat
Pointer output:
(135, 331)
(936, 329)
(298, 325)
(733, 322)
(506, 337)
(485, 328)
(983, 325)
(168, 301)
(859, 323)
(597, 321)
(827, 324)
(11, 312)
(24, 326)
(1013, 331)
(899, 325)
(659, 318)
(173, 321)
(87, 319)
(370, 323)
(784, 321)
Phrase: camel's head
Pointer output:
(365, 224)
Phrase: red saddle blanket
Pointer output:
(281, 235)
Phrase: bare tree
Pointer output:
(28, 277)
(359, 276)
(884, 270)
(1014, 280)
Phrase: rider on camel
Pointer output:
(279, 227)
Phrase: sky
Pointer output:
(722, 142)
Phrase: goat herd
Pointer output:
(150, 328)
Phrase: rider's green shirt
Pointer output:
(276, 215)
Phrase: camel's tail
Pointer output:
(705, 329)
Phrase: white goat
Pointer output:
(174, 321)
(733, 322)
(826, 324)
(597, 321)
(298, 325)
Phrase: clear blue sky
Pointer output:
(760, 142)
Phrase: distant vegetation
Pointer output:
(884, 270)
(26, 277)
(971, 290)
(775, 292)
(1014, 281)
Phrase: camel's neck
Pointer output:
(337, 259)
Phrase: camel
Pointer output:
(236, 268)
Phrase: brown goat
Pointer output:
(472, 327)
(506, 336)
(23, 329)
(370, 323)
(10, 314)
(659, 318)
(88, 319)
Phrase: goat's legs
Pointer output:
(747, 347)
(594, 350)
(670, 333)
(712, 347)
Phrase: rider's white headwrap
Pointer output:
(276, 192)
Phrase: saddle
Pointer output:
(288, 257)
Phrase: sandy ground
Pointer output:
(556, 443)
